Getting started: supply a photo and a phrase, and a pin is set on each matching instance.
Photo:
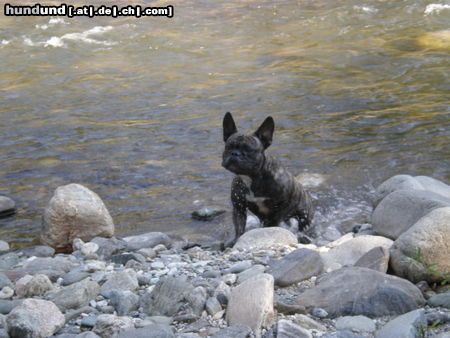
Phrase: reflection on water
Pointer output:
(132, 108)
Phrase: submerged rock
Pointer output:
(7, 206)
(207, 213)
(359, 291)
(74, 211)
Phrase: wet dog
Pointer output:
(261, 185)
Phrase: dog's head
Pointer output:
(244, 154)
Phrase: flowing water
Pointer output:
(132, 107)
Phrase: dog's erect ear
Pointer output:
(265, 132)
(229, 127)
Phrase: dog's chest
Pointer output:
(251, 198)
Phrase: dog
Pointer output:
(262, 184)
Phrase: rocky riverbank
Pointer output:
(379, 282)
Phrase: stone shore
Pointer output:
(376, 282)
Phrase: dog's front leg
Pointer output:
(238, 193)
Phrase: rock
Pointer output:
(71, 314)
(89, 250)
(121, 280)
(74, 276)
(318, 312)
(149, 240)
(52, 267)
(89, 321)
(438, 40)
(376, 259)
(207, 213)
(34, 318)
(6, 292)
(213, 306)
(75, 295)
(251, 303)
(108, 325)
(38, 251)
(348, 252)
(238, 267)
(123, 301)
(30, 286)
(265, 238)
(7, 305)
(8, 260)
(287, 329)
(197, 300)
(440, 299)
(399, 210)
(109, 246)
(5, 281)
(235, 331)
(74, 211)
(168, 297)
(308, 323)
(355, 323)
(422, 252)
(253, 271)
(7, 206)
(125, 257)
(150, 331)
(360, 291)
(299, 265)
(4, 246)
(286, 307)
(407, 325)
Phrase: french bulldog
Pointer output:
(261, 185)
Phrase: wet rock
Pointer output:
(121, 280)
(422, 252)
(4, 246)
(355, 323)
(251, 303)
(74, 211)
(109, 246)
(348, 252)
(38, 251)
(4, 281)
(441, 300)
(108, 325)
(376, 259)
(75, 295)
(207, 213)
(361, 291)
(34, 318)
(7, 206)
(401, 209)
(299, 265)
(149, 240)
(30, 286)
(407, 325)
(8, 260)
(235, 331)
(52, 267)
(265, 238)
(123, 301)
(150, 331)
(407, 182)
(287, 329)
(168, 297)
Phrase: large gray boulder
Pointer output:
(360, 291)
(75, 295)
(74, 211)
(34, 318)
(422, 252)
(401, 209)
(251, 303)
(299, 265)
(265, 238)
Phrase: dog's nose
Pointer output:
(235, 152)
